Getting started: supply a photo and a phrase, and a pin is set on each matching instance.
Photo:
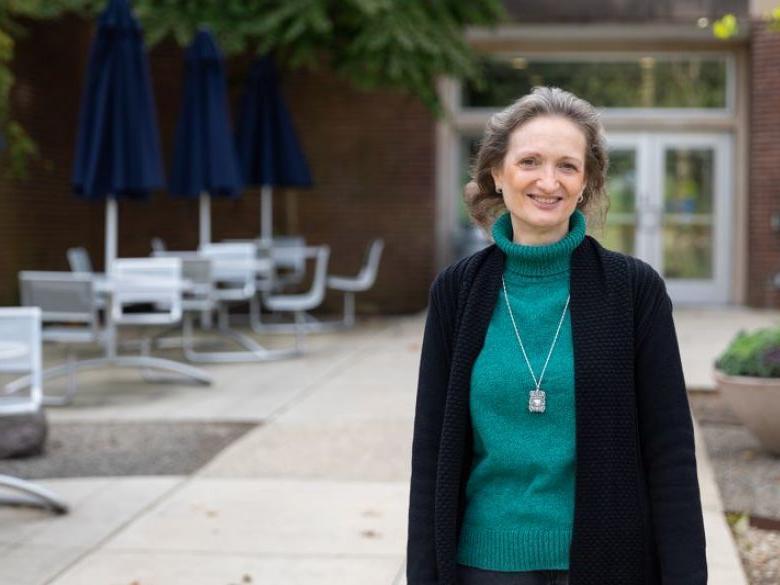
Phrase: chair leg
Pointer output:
(255, 315)
(349, 309)
(187, 332)
(300, 330)
(223, 317)
(70, 388)
(34, 495)
(205, 320)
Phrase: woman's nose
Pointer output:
(547, 180)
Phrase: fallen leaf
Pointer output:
(369, 534)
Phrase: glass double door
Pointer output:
(670, 200)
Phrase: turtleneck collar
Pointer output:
(542, 259)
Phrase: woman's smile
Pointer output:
(545, 202)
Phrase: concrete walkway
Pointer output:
(317, 494)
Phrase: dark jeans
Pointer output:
(474, 576)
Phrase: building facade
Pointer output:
(689, 192)
(692, 123)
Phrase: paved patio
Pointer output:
(317, 494)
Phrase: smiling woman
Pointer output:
(550, 376)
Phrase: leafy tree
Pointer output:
(727, 26)
(401, 44)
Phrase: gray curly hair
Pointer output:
(485, 204)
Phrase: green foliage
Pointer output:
(755, 353)
(403, 44)
(400, 44)
(726, 27)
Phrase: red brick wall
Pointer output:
(371, 156)
(39, 218)
(764, 172)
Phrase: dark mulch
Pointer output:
(89, 449)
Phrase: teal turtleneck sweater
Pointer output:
(520, 493)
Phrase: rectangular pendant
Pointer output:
(536, 400)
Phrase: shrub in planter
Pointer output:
(755, 354)
(747, 374)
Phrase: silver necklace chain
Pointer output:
(520, 341)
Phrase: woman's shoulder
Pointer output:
(452, 276)
(453, 279)
(643, 277)
(648, 291)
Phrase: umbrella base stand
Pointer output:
(33, 495)
(251, 352)
(308, 324)
(144, 363)
(304, 322)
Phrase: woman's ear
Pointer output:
(497, 175)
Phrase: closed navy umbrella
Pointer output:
(205, 161)
(268, 149)
(117, 147)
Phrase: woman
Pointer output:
(553, 441)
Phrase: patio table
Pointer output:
(107, 287)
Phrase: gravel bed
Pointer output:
(760, 553)
(89, 449)
(749, 482)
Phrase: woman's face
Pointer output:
(542, 175)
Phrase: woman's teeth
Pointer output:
(544, 199)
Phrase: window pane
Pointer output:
(620, 232)
(633, 82)
(618, 237)
(689, 177)
(621, 181)
(687, 251)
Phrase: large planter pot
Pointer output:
(756, 403)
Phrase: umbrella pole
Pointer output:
(111, 246)
(266, 213)
(205, 219)
(111, 252)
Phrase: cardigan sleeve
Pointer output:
(666, 437)
(433, 377)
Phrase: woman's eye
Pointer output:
(570, 166)
(527, 161)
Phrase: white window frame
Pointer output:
(600, 56)
(733, 119)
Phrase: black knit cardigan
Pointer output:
(637, 509)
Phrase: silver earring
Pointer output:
(580, 198)
(499, 190)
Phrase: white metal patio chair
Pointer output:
(298, 303)
(199, 298)
(20, 353)
(288, 256)
(69, 315)
(158, 245)
(350, 285)
(137, 283)
(235, 270)
(79, 260)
